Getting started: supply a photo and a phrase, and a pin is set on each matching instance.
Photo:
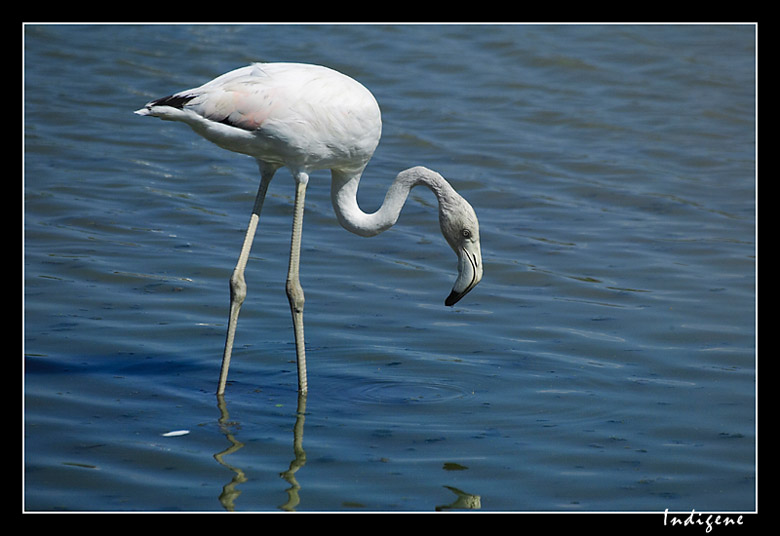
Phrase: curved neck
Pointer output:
(344, 197)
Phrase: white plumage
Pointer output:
(295, 115)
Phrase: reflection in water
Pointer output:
(464, 501)
(300, 457)
(230, 492)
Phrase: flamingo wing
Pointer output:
(244, 98)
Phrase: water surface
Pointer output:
(607, 361)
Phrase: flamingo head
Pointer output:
(460, 228)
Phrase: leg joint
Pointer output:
(237, 288)
(295, 295)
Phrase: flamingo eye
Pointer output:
(466, 233)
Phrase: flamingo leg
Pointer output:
(293, 287)
(237, 282)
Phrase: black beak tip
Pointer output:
(453, 298)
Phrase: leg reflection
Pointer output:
(293, 497)
(229, 491)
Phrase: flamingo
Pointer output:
(309, 117)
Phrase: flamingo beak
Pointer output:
(469, 272)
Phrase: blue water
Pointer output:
(607, 361)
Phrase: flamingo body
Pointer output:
(305, 117)
(309, 117)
